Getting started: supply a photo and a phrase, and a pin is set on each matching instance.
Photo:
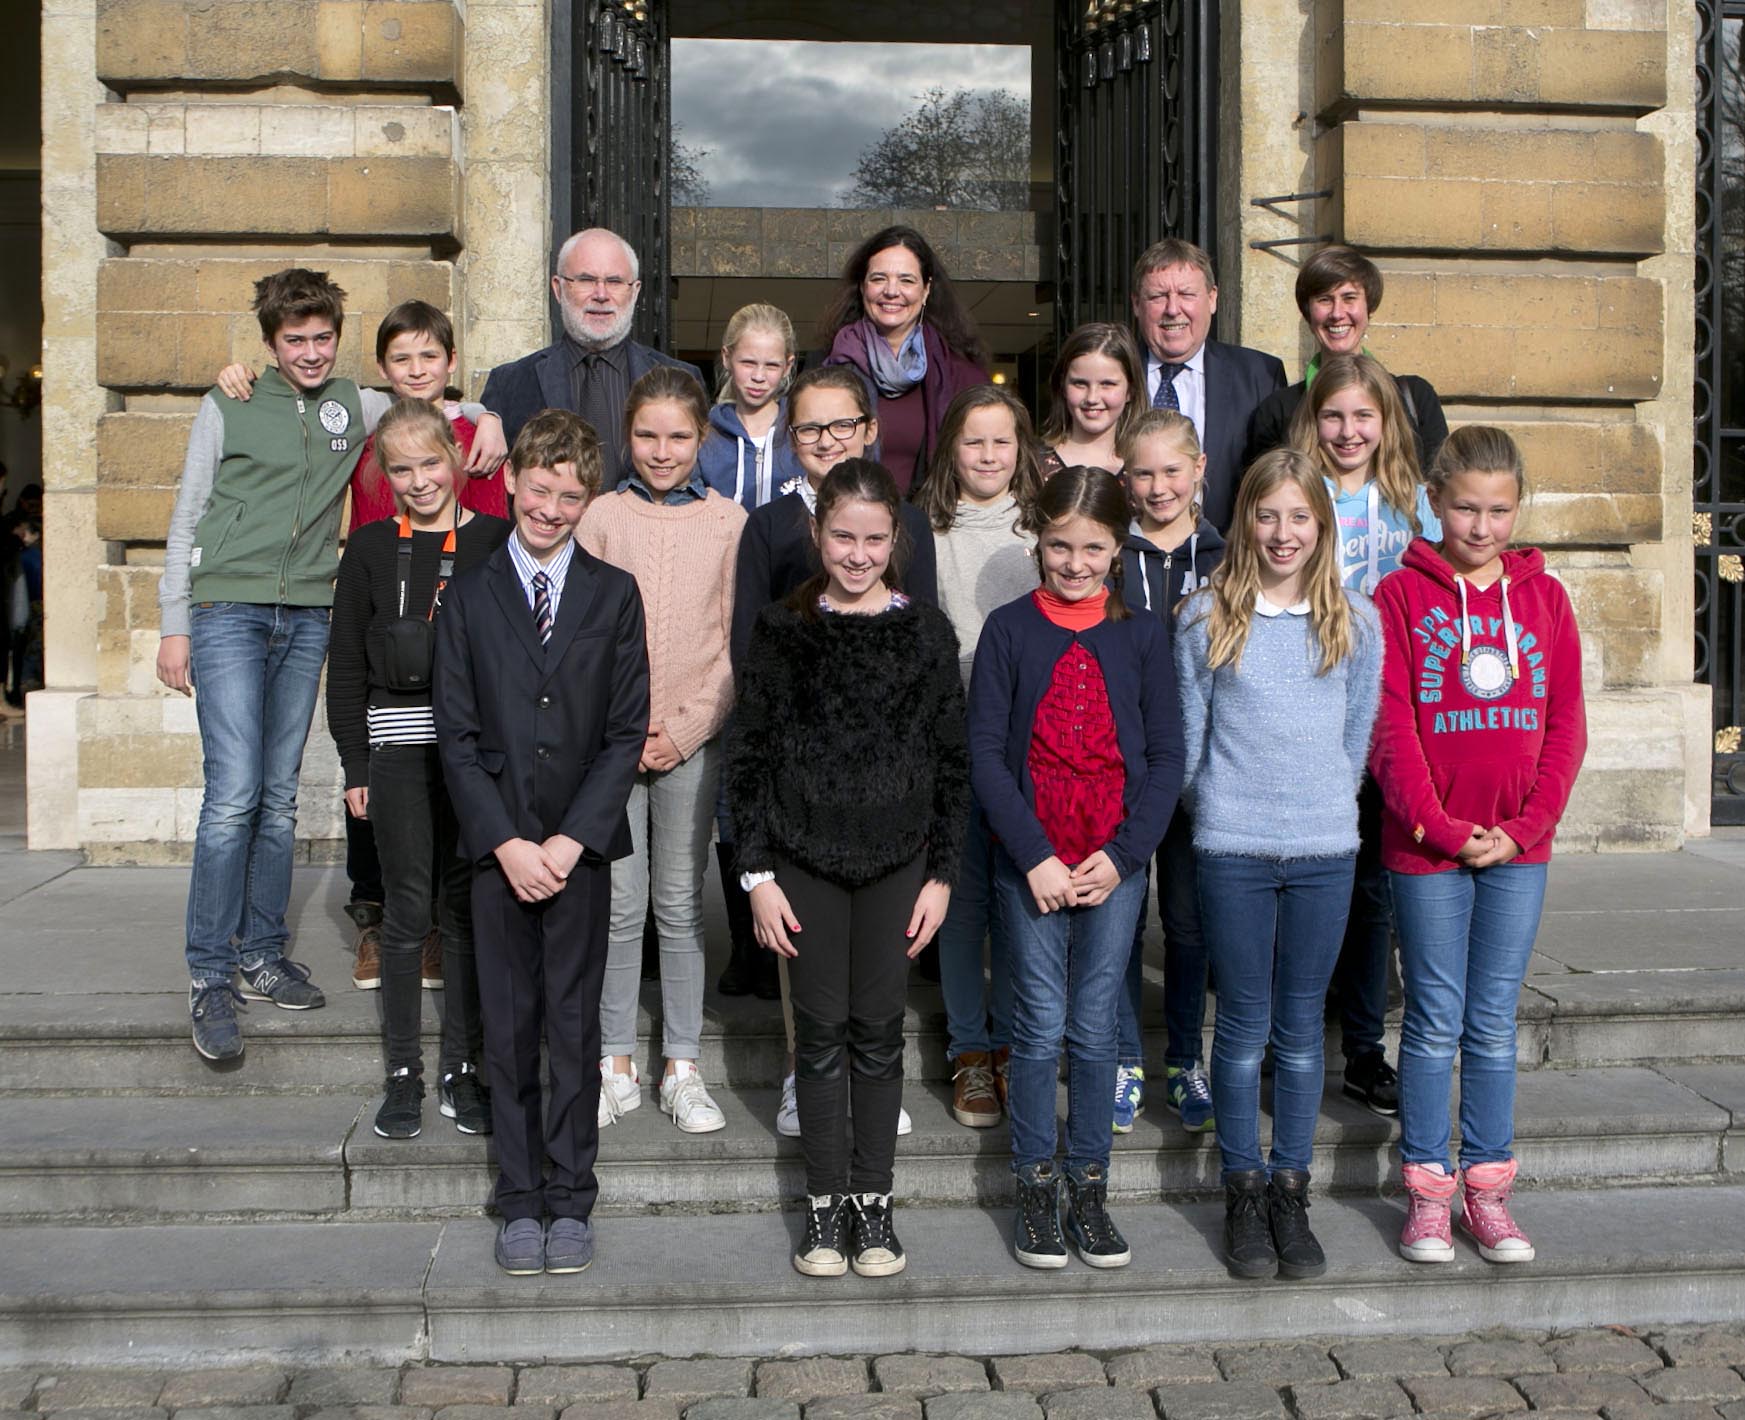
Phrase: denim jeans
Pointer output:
(978, 1010)
(1184, 957)
(1465, 937)
(1273, 928)
(671, 812)
(1067, 969)
(256, 673)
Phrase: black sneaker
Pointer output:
(1371, 1081)
(1287, 1204)
(1036, 1235)
(1092, 1232)
(875, 1251)
(402, 1113)
(212, 1008)
(283, 982)
(462, 1097)
(1248, 1249)
(824, 1251)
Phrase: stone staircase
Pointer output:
(155, 1207)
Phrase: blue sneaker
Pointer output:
(284, 982)
(212, 1008)
(1129, 1096)
(1189, 1095)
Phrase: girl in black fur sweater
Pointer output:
(848, 781)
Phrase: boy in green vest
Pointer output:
(247, 587)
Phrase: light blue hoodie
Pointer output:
(1372, 534)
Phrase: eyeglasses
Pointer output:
(841, 430)
(615, 285)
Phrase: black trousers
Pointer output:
(540, 969)
(1360, 980)
(363, 865)
(415, 833)
(848, 986)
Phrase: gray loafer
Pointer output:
(521, 1247)
(569, 1245)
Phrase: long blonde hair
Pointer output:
(1236, 581)
(757, 316)
(1395, 465)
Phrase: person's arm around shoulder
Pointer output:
(1397, 759)
(486, 453)
(1564, 741)
(199, 471)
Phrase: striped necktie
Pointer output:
(1165, 398)
(542, 606)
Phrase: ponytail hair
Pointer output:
(773, 320)
(668, 382)
(855, 481)
(1478, 448)
(1096, 494)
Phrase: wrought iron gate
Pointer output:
(619, 139)
(1134, 151)
(1718, 475)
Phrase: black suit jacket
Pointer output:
(1237, 380)
(517, 391)
(537, 740)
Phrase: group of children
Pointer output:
(978, 718)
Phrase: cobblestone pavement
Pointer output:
(1684, 1373)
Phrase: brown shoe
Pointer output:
(366, 973)
(430, 964)
(1002, 1072)
(973, 1101)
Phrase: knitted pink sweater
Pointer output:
(682, 558)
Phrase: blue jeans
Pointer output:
(968, 920)
(1184, 957)
(1465, 937)
(1066, 977)
(1273, 929)
(256, 673)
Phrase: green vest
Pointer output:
(270, 532)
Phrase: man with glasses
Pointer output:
(590, 368)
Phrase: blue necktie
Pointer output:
(1165, 398)
(542, 606)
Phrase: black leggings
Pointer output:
(848, 986)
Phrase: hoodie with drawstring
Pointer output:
(1482, 722)
(729, 462)
(1156, 581)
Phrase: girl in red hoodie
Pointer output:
(1480, 735)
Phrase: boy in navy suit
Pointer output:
(541, 699)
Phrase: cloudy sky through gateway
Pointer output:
(784, 122)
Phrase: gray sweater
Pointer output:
(1275, 753)
(983, 563)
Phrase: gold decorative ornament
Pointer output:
(1731, 568)
(1702, 528)
(1727, 739)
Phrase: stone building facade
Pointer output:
(1522, 169)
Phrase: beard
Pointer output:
(589, 340)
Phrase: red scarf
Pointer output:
(1074, 616)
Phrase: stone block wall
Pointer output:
(198, 145)
(1522, 170)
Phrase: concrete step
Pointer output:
(304, 1294)
(127, 1158)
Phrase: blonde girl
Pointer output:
(746, 455)
(680, 541)
(1092, 400)
(1280, 670)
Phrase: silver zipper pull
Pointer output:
(300, 408)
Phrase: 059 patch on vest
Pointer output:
(335, 417)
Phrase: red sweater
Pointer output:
(372, 499)
(1477, 729)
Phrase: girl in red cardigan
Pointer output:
(1481, 732)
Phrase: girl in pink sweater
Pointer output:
(680, 540)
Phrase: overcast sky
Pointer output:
(784, 122)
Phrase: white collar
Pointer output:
(1195, 362)
(1266, 608)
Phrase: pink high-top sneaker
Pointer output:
(1486, 1215)
(1426, 1236)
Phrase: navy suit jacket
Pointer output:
(519, 390)
(537, 740)
(1237, 380)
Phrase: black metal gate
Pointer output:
(1134, 152)
(620, 106)
(1718, 475)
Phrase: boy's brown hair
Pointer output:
(555, 436)
(414, 318)
(296, 294)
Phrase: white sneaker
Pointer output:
(685, 1097)
(619, 1094)
(904, 1123)
(788, 1115)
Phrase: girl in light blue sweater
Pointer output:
(1280, 674)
